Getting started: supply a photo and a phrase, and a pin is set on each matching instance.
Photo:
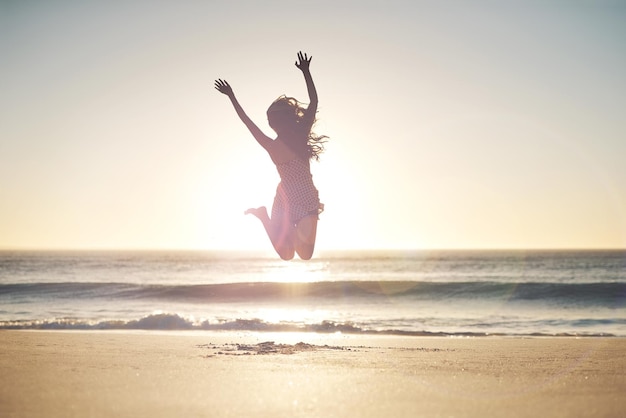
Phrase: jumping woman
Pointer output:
(292, 227)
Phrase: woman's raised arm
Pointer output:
(223, 87)
(303, 64)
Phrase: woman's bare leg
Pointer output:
(281, 234)
(305, 234)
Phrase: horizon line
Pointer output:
(321, 250)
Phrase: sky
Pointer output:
(452, 124)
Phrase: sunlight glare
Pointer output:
(298, 316)
(296, 271)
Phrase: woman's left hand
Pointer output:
(223, 87)
(303, 62)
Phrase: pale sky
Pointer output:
(452, 124)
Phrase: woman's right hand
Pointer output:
(303, 62)
(223, 87)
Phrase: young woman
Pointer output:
(292, 226)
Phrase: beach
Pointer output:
(234, 374)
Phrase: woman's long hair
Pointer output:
(289, 116)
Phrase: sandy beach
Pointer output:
(147, 374)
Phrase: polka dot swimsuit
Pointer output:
(296, 195)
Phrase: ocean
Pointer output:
(450, 293)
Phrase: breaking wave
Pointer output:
(607, 294)
(175, 322)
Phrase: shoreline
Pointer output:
(124, 373)
(337, 329)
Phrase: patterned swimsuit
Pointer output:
(296, 195)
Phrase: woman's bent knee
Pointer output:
(285, 253)
(305, 252)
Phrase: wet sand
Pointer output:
(231, 374)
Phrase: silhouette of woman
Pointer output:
(292, 228)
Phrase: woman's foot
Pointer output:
(260, 212)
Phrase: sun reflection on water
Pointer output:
(295, 272)
(299, 316)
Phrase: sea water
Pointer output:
(391, 292)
